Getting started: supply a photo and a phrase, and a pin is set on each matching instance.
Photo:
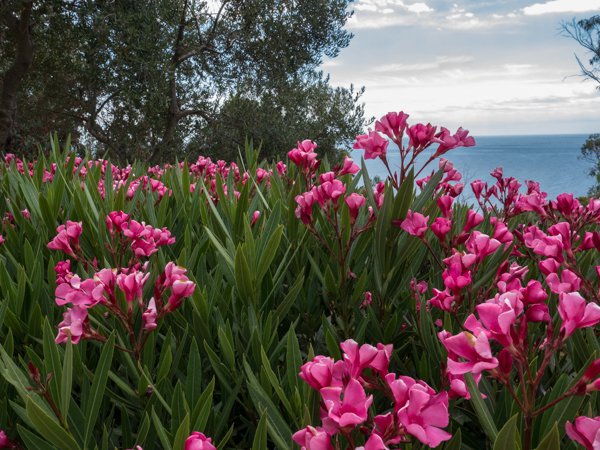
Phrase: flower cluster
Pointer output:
(118, 291)
(411, 409)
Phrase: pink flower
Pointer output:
(67, 239)
(576, 313)
(473, 219)
(443, 300)
(568, 282)
(481, 245)
(63, 271)
(304, 210)
(85, 294)
(349, 409)
(329, 191)
(378, 193)
(72, 325)
(198, 441)
(26, 214)
(451, 141)
(392, 125)
(441, 226)
(585, 431)
(304, 156)
(132, 284)
(444, 202)
(348, 167)
(149, 316)
(322, 372)
(467, 352)
(374, 145)
(2, 240)
(311, 438)
(367, 300)
(477, 186)
(355, 202)
(281, 168)
(498, 315)
(425, 415)
(415, 224)
(116, 221)
(4, 441)
(358, 358)
(182, 288)
(421, 136)
(255, 217)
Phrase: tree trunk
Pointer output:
(20, 30)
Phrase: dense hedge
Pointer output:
(188, 298)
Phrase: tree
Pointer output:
(158, 80)
(587, 33)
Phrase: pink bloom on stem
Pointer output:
(568, 282)
(473, 219)
(67, 239)
(441, 226)
(72, 325)
(468, 353)
(255, 217)
(85, 294)
(26, 214)
(63, 271)
(498, 316)
(392, 125)
(132, 284)
(367, 300)
(585, 431)
(348, 167)
(304, 156)
(281, 168)
(576, 313)
(2, 240)
(548, 266)
(477, 187)
(149, 316)
(443, 300)
(311, 438)
(355, 202)
(198, 441)
(444, 202)
(322, 372)
(374, 145)
(378, 193)
(182, 288)
(4, 441)
(351, 410)
(116, 221)
(421, 136)
(415, 224)
(358, 358)
(481, 245)
(329, 191)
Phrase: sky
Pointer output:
(494, 67)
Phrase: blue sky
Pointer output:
(494, 67)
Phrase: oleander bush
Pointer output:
(206, 305)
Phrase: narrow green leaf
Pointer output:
(66, 382)
(482, 411)
(260, 436)
(49, 428)
(507, 437)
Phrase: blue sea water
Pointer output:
(552, 160)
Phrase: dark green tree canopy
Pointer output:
(160, 78)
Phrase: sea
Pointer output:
(552, 160)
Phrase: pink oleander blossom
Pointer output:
(585, 431)
(82, 293)
(67, 239)
(149, 316)
(576, 313)
(392, 125)
(415, 224)
(311, 438)
(72, 325)
(322, 372)
(132, 284)
(345, 407)
(355, 202)
(468, 352)
(374, 145)
(198, 441)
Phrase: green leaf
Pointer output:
(96, 394)
(507, 437)
(455, 443)
(260, 436)
(551, 441)
(482, 411)
(49, 428)
(182, 433)
(163, 436)
(66, 381)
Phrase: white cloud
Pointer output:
(561, 6)
(437, 64)
(418, 8)
(365, 7)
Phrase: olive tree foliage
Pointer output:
(587, 33)
(162, 78)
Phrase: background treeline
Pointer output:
(155, 79)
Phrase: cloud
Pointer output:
(440, 62)
(561, 6)
(418, 8)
